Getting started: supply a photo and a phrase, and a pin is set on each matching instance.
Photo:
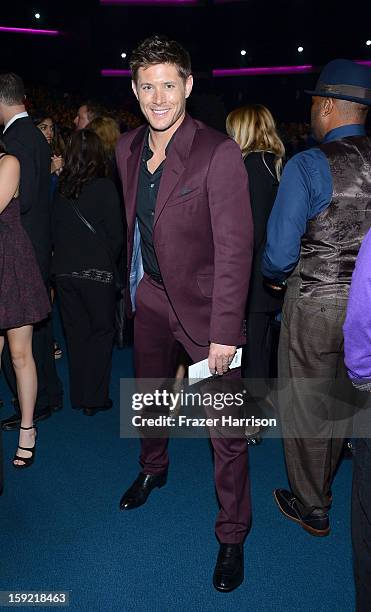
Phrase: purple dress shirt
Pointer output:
(357, 326)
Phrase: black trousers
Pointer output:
(49, 387)
(259, 353)
(361, 523)
(88, 313)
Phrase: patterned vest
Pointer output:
(332, 240)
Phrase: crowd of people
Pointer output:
(61, 107)
(219, 236)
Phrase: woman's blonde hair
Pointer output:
(254, 129)
(108, 131)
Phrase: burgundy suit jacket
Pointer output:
(202, 233)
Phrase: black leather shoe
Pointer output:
(137, 494)
(13, 422)
(315, 524)
(228, 573)
(92, 410)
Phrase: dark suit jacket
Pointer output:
(28, 144)
(263, 189)
(202, 228)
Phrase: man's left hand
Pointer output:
(220, 357)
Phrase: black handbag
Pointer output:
(120, 314)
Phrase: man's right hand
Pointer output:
(220, 357)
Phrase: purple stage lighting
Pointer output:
(115, 73)
(30, 31)
(149, 2)
(223, 72)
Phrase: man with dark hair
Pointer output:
(320, 216)
(86, 113)
(11, 89)
(159, 50)
(189, 253)
(27, 143)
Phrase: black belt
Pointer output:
(157, 278)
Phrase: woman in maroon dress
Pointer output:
(23, 302)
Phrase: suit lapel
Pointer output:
(132, 168)
(172, 172)
(175, 163)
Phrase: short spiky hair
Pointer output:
(11, 89)
(160, 50)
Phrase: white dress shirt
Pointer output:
(17, 116)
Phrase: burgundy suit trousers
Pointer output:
(157, 339)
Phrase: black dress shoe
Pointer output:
(137, 494)
(13, 422)
(92, 410)
(315, 524)
(228, 573)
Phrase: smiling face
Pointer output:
(47, 128)
(162, 95)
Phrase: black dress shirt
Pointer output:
(148, 186)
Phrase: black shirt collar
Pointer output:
(147, 151)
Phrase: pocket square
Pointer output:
(186, 190)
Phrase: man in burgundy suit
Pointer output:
(189, 257)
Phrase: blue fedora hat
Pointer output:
(345, 80)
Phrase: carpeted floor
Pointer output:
(61, 528)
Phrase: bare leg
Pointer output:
(20, 345)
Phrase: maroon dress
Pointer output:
(23, 297)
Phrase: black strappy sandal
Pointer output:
(27, 461)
